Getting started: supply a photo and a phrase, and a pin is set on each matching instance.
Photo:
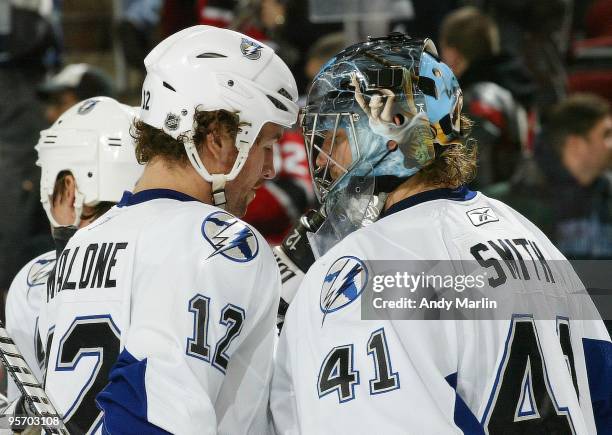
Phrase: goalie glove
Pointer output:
(294, 257)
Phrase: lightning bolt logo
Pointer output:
(340, 289)
(229, 237)
(250, 49)
(37, 275)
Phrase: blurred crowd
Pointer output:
(536, 78)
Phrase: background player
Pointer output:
(87, 160)
(384, 133)
(180, 295)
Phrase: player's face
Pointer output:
(258, 168)
(599, 141)
(336, 154)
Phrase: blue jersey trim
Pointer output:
(463, 416)
(462, 193)
(124, 399)
(598, 359)
(130, 198)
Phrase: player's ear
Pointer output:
(222, 151)
(63, 200)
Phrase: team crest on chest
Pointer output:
(343, 283)
(230, 237)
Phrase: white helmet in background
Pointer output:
(209, 68)
(91, 140)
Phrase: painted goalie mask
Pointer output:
(377, 113)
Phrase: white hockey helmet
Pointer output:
(209, 68)
(91, 140)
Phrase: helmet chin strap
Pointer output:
(218, 181)
(218, 190)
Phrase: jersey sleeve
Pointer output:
(22, 308)
(198, 351)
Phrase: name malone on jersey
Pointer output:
(97, 266)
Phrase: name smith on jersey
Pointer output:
(88, 267)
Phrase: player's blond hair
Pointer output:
(454, 165)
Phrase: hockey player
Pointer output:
(87, 160)
(385, 138)
(170, 288)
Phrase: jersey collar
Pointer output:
(130, 198)
(462, 193)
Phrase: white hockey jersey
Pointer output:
(179, 298)
(517, 373)
(27, 292)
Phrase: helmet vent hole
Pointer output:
(210, 55)
(284, 93)
(114, 141)
(90, 174)
(277, 104)
(428, 86)
(166, 85)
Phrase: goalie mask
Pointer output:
(376, 113)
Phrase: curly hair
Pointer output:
(152, 142)
(456, 164)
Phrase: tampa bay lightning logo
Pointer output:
(343, 283)
(250, 49)
(40, 270)
(230, 237)
(87, 107)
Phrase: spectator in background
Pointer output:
(136, 28)
(26, 36)
(537, 32)
(572, 200)
(590, 68)
(322, 51)
(76, 82)
(497, 91)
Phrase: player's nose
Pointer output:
(321, 159)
